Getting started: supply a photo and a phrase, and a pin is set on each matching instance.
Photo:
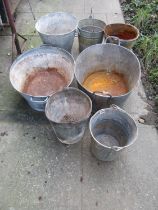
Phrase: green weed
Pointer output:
(144, 15)
(153, 76)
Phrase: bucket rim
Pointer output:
(80, 28)
(27, 52)
(60, 34)
(72, 123)
(104, 44)
(124, 24)
(102, 111)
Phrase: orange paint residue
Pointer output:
(44, 82)
(113, 82)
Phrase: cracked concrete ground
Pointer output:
(39, 173)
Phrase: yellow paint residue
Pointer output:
(113, 82)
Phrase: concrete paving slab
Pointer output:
(38, 172)
(6, 43)
(57, 5)
(5, 63)
(23, 6)
(116, 18)
(102, 6)
(25, 23)
(32, 42)
(31, 177)
(125, 183)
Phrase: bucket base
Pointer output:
(101, 155)
(107, 140)
(70, 141)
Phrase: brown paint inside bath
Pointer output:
(44, 82)
(125, 35)
(112, 82)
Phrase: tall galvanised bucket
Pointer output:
(90, 32)
(112, 131)
(57, 29)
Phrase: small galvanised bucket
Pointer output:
(68, 112)
(57, 29)
(90, 32)
(112, 130)
(128, 34)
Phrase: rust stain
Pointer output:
(43, 82)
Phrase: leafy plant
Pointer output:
(147, 47)
(144, 15)
(153, 76)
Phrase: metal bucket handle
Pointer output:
(114, 106)
(113, 148)
(34, 99)
(91, 14)
(113, 40)
(45, 45)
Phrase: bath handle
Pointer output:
(103, 93)
(39, 101)
(45, 45)
(113, 40)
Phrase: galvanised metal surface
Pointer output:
(68, 112)
(57, 29)
(112, 130)
(42, 57)
(90, 32)
(109, 57)
(115, 28)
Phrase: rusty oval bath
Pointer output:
(42, 57)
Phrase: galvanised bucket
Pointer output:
(90, 32)
(33, 60)
(68, 112)
(112, 131)
(57, 29)
(107, 57)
